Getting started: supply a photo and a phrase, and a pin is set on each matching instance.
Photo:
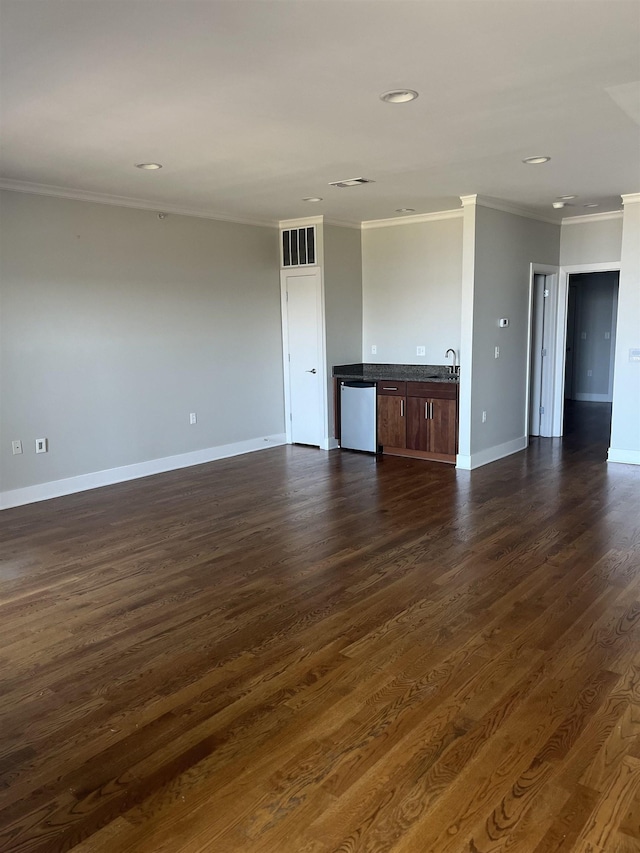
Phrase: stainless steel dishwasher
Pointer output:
(358, 416)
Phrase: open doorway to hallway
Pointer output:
(590, 345)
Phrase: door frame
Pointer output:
(561, 331)
(311, 272)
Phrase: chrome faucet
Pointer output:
(453, 368)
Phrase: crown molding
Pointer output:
(506, 207)
(125, 201)
(301, 222)
(593, 217)
(341, 223)
(412, 220)
(630, 198)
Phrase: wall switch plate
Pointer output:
(41, 445)
(589, 372)
(16, 447)
(583, 336)
(634, 355)
(374, 349)
(607, 336)
(193, 418)
(497, 352)
(484, 417)
(421, 350)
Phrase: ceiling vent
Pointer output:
(299, 246)
(350, 182)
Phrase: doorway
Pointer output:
(592, 308)
(542, 313)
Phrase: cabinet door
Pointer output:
(418, 423)
(442, 427)
(392, 431)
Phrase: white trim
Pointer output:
(592, 217)
(300, 222)
(83, 482)
(125, 201)
(507, 207)
(491, 454)
(626, 457)
(329, 444)
(630, 198)
(412, 220)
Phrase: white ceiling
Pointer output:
(251, 106)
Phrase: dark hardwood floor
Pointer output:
(300, 652)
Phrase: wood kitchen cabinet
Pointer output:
(392, 411)
(418, 419)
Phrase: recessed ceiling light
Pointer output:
(149, 166)
(312, 198)
(592, 205)
(399, 96)
(566, 197)
(534, 161)
(405, 210)
(558, 205)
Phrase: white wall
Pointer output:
(116, 325)
(594, 241)
(496, 285)
(411, 284)
(342, 272)
(625, 416)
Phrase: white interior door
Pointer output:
(303, 339)
(541, 378)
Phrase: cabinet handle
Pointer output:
(389, 387)
(431, 405)
(401, 408)
(426, 411)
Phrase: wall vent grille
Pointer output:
(299, 246)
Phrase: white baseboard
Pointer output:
(592, 398)
(627, 457)
(83, 482)
(491, 454)
(329, 444)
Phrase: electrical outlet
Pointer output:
(484, 417)
(607, 336)
(583, 336)
(16, 447)
(374, 349)
(497, 352)
(193, 418)
(420, 350)
(41, 445)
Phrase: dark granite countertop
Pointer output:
(398, 372)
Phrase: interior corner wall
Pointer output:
(412, 294)
(115, 325)
(505, 246)
(342, 276)
(625, 415)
